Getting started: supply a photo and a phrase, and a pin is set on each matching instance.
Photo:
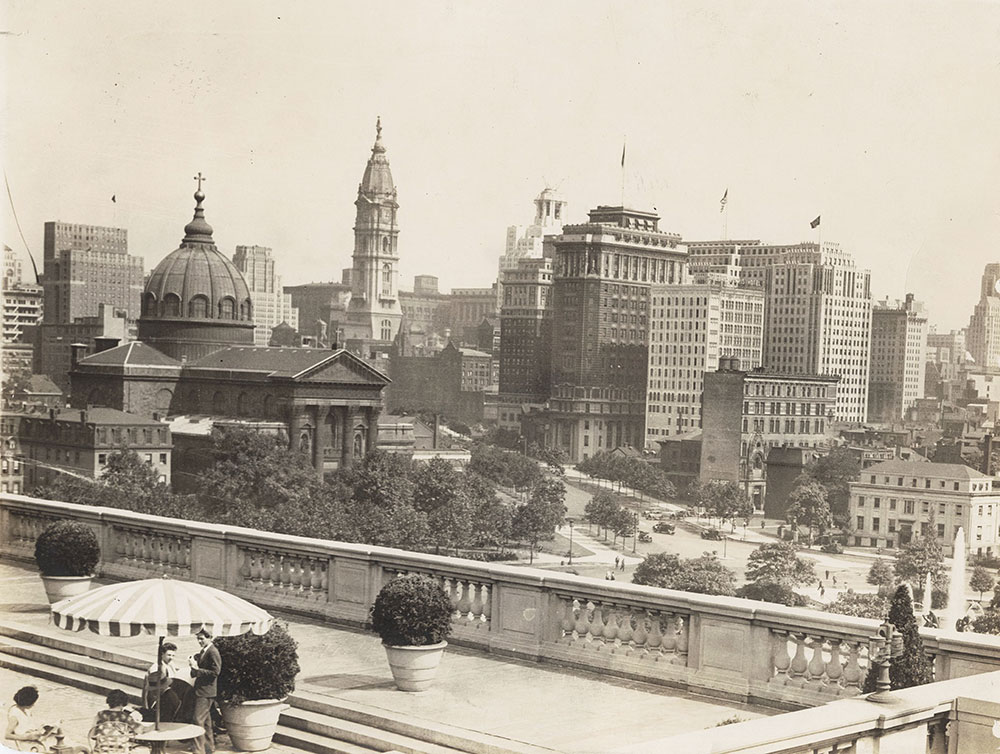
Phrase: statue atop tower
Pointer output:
(374, 313)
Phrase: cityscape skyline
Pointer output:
(827, 120)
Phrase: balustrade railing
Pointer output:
(716, 645)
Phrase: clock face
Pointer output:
(996, 286)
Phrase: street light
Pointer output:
(635, 529)
(570, 522)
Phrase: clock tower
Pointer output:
(374, 313)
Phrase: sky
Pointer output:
(883, 118)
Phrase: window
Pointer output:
(892, 526)
(876, 522)
(386, 329)
(940, 530)
(892, 503)
(861, 523)
(102, 458)
(908, 507)
(163, 458)
(198, 307)
(877, 503)
(861, 501)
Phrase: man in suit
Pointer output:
(205, 669)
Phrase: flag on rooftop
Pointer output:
(623, 154)
(113, 198)
(815, 223)
(725, 198)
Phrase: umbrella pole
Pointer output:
(159, 680)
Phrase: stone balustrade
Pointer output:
(722, 646)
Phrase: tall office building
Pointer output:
(691, 327)
(526, 242)
(526, 333)
(899, 346)
(983, 333)
(374, 313)
(271, 305)
(603, 270)
(85, 266)
(944, 365)
(22, 302)
(817, 312)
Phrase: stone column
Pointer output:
(371, 442)
(347, 444)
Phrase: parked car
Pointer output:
(645, 536)
(712, 534)
(662, 527)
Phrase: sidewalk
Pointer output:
(566, 710)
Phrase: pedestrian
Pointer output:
(608, 576)
(828, 574)
(205, 668)
(820, 583)
(612, 577)
(562, 562)
(616, 561)
(762, 522)
(623, 564)
(822, 591)
(835, 579)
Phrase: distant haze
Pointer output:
(881, 117)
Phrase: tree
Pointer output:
(441, 495)
(601, 510)
(724, 500)
(491, 518)
(777, 563)
(657, 569)
(919, 557)
(912, 667)
(706, 575)
(835, 471)
(859, 605)
(881, 574)
(981, 580)
(541, 515)
(807, 504)
(765, 591)
(988, 622)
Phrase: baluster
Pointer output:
(246, 566)
(639, 635)
(681, 625)
(296, 574)
(253, 558)
(625, 631)
(324, 575)
(568, 622)
(782, 660)
(186, 554)
(817, 665)
(129, 540)
(610, 625)
(478, 603)
(668, 633)
(799, 663)
(582, 627)
(834, 668)
(597, 621)
(464, 605)
(655, 639)
(486, 591)
(853, 673)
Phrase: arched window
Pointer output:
(387, 278)
(245, 310)
(269, 406)
(163, 398)
(227, 308)
(171, 305)
(198, 307)
(242, 405)
(385, 243)
(149, 305)
(219, 402)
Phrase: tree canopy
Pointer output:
(778, 563)
(808, 505)
(703, 575)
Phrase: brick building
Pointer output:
(78, 441)
(898, 354)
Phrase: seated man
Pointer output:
(174, 692)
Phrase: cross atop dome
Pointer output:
(198, 230)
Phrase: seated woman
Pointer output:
(174, 691)
(115, 726)
(23, 733)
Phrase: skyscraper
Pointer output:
(525, 243)
(983, 334)
(271, 305)
(374, 312)
(899, 346)
(603, 271)
(85, 266)
(525, 334)
(692, 326)
(817, 312)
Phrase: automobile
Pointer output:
(662, 527)
(645, 536)
(712, 534)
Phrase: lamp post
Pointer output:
(635, 529)
(886, 646)
(570, 522)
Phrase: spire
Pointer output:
(378, 148)
(198, 230)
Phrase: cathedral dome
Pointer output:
(377, 178)
(196, 294)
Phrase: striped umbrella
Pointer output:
(163, 607)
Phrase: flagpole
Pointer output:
(725, 221)
(624, 139)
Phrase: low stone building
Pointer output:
(893, 502)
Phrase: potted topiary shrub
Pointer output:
(258, 672)
(67, 553)
(412, 614)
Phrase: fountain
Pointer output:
(956, 585)
(928, 594)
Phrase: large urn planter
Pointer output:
(412, 615)
(58, 588)
(67, 553)
(414, 668)
(251, 725)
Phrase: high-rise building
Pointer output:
(374, 313)
(899, 345)
(425, 317)
(946, 358)
(85, 266)
(525, 338)
(526, 242)
(983, 334)
(22, 302)
(817, 312)
(271, 305)
(603, 270)
(692, 326)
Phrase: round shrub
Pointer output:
(412, 611)
(257, 667)
(67, 548)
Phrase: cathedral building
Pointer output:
(195, 358)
